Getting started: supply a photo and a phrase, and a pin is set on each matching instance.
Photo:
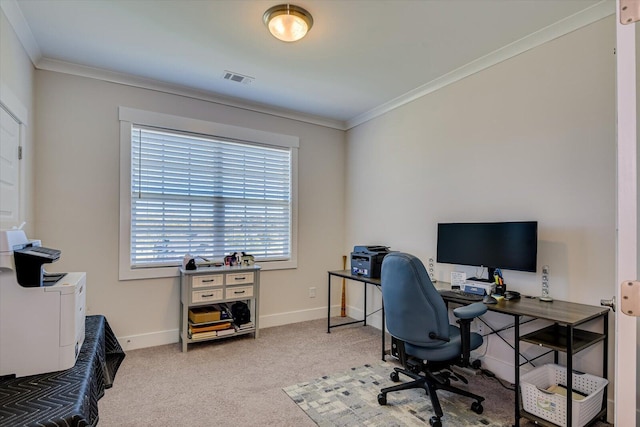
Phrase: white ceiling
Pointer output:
(360, 58)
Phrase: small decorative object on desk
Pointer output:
(501, 287)
(545, 284)
(239, 259)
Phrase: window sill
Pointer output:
(162, 272)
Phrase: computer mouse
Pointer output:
(488, 299)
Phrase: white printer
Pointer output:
(41, 315)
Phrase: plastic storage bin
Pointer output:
(553, 407)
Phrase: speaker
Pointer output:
(431, 270)
(545, 284)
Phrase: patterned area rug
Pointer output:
(351, 399)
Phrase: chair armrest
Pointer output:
(470, 311)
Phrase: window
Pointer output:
(207, 194)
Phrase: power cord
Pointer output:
(490, 375)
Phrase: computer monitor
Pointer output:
(504, 245)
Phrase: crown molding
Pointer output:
(23, 31)
(159, 86)
(578, 20)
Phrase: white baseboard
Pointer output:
(374, 319)
(290, 317)
(152, 339)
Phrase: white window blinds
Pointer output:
(207, 197)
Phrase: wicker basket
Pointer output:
(553, 407)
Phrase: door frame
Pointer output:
(626, 221)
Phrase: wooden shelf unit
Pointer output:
(210, 286)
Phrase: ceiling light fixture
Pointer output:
(287, 22)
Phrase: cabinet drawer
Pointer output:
(233, 292)
(206, 295)
(240, 278)
(208, 280)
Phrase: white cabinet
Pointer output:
(210, 289)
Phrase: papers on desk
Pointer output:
(457, 279)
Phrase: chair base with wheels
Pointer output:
(430, 382)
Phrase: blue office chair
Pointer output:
(417, 316)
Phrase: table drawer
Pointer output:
(208, 280)
(239, 278)
(239, 292)
(206, 295)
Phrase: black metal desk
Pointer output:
(346, 274)
(561, 336)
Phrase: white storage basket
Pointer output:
(553, 407)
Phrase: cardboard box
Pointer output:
(203, 314)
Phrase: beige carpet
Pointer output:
(240, 381)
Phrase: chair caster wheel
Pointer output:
(476, 364)
(435, 422)
(382, 399)
(477, 407)
(394, 376)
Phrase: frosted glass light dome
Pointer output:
(287, 22)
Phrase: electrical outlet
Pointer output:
(312, 292)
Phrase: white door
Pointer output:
(627, 219)
(9, 169)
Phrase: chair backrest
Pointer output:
(413, 307)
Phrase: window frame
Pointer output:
(129, 117)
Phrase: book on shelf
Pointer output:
(248, 325)
(211, 334)
(197, 328)
(203, 335)
(226, 332)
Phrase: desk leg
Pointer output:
(329, 304)
(516, 347)
(383, 333)
(365, 303)
(569, 373)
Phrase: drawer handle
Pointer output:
(239, 278)
(207, 295)
(208, 280)
(239, 292)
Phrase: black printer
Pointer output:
(366, 261)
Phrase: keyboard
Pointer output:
(461, 295)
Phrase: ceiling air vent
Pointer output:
(238, 78)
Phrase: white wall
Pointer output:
(532, 138)
(17, 83)
(77, 182)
